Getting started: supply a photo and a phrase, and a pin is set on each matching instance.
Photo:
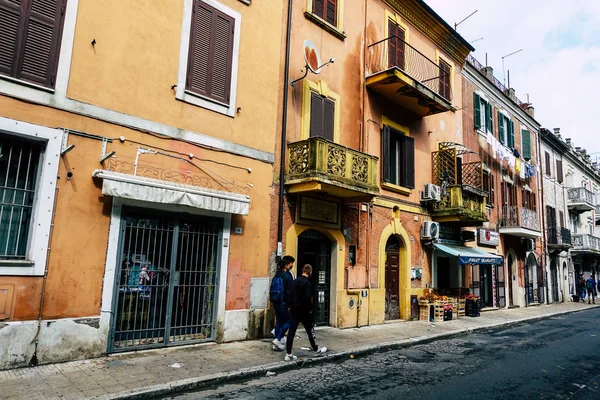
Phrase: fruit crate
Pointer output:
(460, 310)
(432, 310)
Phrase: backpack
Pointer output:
(276, 291)
(589, 284)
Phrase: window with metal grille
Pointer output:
(19, 161)
(326, 10)
(210, 53)
(398, 158)
(445, 80)
(30, 39)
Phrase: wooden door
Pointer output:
(392, 285)
(315, 249)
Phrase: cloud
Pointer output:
(558, 67)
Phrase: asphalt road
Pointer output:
(557, 358)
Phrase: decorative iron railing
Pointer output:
(445, 172)
(318, 157)
(559, 236)
(393, 52)
(580, 195)
(586, 242)
(513, 216)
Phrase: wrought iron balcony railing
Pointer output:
(559, 236)
(513, 217)
(395, 52)
(580, 195)
(586, 242)
(317, 159)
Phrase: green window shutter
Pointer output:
(500, 127)
(489, 118)
(526, 136)
(476, 105)
(511, 134)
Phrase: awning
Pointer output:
(135, 187)
(469, 255)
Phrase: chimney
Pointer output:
(531, 111)
(488, 72)
(557, 133)
(511, 94)
(568, 141)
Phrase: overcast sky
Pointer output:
(559, 66)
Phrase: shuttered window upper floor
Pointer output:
(30, 37)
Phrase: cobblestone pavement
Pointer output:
(150, 372)
(543, 360)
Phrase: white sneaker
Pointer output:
(320, 350)
(273, 331)
(290, 357)
(276, 341)
(278, 346)
(283, 340)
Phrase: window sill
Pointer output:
(325, 25)
(395, 188)
(205, 102)
(25, 83)
(246, 2)
(16, 263)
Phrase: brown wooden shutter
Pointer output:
(559, 171)
(316, 115)
(319, 8)
(408, 170)
(331, 12)
(211, 53)
(328, 118)
(548, 166)
(9, 21)
(385, 153)
(395, 45)
(30, 39)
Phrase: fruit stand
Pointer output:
(436, 308)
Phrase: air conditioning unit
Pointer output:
(529, 244)
(430, 230)
(431, 192)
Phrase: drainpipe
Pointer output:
(34, 360)
(284, 129)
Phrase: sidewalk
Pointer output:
(156, 372)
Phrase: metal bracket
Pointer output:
(103, 155)
(64, 149)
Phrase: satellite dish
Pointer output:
(312, 57)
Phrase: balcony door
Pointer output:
(396, 53)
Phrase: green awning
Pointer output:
(469, 255)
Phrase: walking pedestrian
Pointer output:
(278, 292)
(300, 298)
(590, 285)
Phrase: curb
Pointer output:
(245, 373)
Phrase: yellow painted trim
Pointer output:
(398, 21)
(321, 88)
(395, 188)
(337, 280)
(395, 228)
(402, 128)
(402, 207)
(438, 56)
(304, 187)
(340, 14)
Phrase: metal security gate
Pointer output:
(166, 280)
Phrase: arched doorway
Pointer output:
(314, 248)
(554, 280)
(392, 278)
(531, 290)
(512, 278)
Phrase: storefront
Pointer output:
(461, 270)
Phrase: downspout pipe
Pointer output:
(282, 158)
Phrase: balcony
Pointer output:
(520, 222)
(585, 244)
(463, 199)
(401, 73)
(559, 238)
(580, 199)
(318, 165)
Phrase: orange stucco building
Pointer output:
(136, 175)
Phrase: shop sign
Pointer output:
(485, 237)
(449, 235)
(313, 211)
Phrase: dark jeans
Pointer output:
(282, 320)
(307, 322)
(591, 295)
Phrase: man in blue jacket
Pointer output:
(282, 315)
(300, 301)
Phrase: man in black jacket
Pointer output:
(300, 299)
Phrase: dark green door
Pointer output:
(315, 249)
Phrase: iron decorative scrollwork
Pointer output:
(336, 161)
(298, 158)
(360, 169)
